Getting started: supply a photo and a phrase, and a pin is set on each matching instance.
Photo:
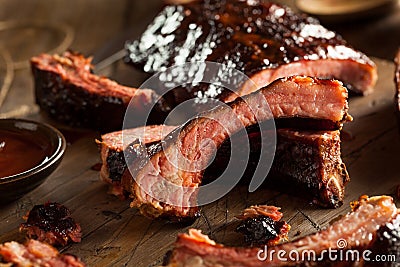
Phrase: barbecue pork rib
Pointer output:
(307, 160)
(311, 162)
(261, 39)
(306, 163)
(66, 89)
(174, 169)
(359, 230)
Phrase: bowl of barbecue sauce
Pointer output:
(29, 152)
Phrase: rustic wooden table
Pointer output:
(113, 233)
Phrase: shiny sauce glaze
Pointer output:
(249, 36)
(21, 151)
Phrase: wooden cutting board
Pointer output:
(116, 235)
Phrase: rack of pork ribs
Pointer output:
(299, 154)
(263, 40)
(306, 158)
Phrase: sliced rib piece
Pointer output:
(357, 230)
(112, 149)
(313, 165)
(175, 168)
(307, 163)
(307, 160)
(35, 253)
(66, 89)
(263, 40)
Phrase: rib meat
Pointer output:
(174, 170)
(35, 253)
(312, 165)
(307, 160)
(263, 40)
(359, 230)
(307, 163)
(67, 90)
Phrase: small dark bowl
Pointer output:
(15, 186)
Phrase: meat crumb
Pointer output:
(51, 223)
(262, 225)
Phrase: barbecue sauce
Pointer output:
(20, 152)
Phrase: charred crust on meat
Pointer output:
(51, 223)
(116, 165)
(68, 103)
(260, 230)
(68, 91)
(167, 257)
(262, 225)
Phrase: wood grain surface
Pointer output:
(113, 233)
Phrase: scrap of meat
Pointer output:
(262, 225)
(51, 223)
(35, 253)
